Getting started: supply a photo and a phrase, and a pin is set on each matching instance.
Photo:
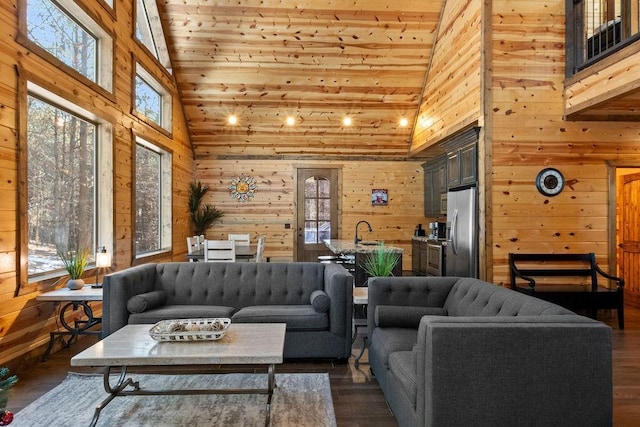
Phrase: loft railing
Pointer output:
(600, 27)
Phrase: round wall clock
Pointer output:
(550, 182)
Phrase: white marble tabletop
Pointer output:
(244, 343)
(361, 295)
(87, 293)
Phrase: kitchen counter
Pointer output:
(360, 253)
(347, 247)
(430, 240)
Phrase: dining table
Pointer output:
(243, 253)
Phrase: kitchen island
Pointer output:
(359, 253)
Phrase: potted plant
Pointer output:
(6, 382)
(381, 262)
(201, 216)
(75, 262)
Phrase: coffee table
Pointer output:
(243, 343)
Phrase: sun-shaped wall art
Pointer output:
(242, 187)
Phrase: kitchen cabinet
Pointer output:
(461, 166)
(435, 184)
(427, 258)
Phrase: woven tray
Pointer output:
(190, 329)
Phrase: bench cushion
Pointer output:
(402, 365)
(181, 312)
(398, 316)
(297, 317)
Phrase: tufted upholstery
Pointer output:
(246, 292)
(495, 358)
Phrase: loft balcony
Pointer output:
(603, 60)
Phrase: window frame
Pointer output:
(103, 217)
(106, 40)
(166, 195)
(166, 101)
(156, 32)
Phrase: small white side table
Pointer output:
(360, 297)
(74, 299)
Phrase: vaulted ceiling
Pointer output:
(316, 61)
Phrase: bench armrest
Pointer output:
(503, 370)
(619, 281)
(118, 287)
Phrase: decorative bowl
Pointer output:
(190, 329)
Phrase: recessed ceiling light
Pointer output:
(347, 121)
(291, 121)
(404, 122)
(232, 120)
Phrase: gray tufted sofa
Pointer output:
(313, 299)
(450, 351)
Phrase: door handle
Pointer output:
(454, 226)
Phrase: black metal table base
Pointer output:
(122, 383)
(80, 327)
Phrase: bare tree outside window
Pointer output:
(61, 184)
(57, 33)
(148, 101)
(317, 209)
(148, 194)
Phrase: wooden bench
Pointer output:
(569, 280)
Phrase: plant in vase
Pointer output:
(201, 217)
(6, 417)
(381, 262)
(75, 262)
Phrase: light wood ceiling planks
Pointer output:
(265, 60)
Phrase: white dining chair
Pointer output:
(240, 239)
(219, 251)
(201, 240)
(260, 249)
(192, 245)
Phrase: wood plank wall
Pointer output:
(24, 323)
(529, 134)
(451, 98)
(273, 205)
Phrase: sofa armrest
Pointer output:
(407, 291)
(118, 287)
(338, 284)
(548, 370)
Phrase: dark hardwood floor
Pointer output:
(357, 399)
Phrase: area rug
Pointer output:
(299, 400)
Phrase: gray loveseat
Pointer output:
(313, 299)
(450, 351)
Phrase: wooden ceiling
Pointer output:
(317, 61)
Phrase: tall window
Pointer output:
(153, 199)
(151, 99)
(149, 31)
(65, 31)
(64, 190)
(317, 209)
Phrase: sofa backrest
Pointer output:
(473, 297)
(239, 284)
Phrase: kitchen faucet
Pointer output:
(356, 239)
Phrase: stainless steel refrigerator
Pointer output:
(462, 233)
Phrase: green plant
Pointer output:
(381, 262)
(75, 262)
(5, 385)
(201, 217)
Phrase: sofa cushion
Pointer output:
(398, 316)
(146, 301)
(320, 301)
(390, 340)
(402, 365)
(167, 312)
(297, 317)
